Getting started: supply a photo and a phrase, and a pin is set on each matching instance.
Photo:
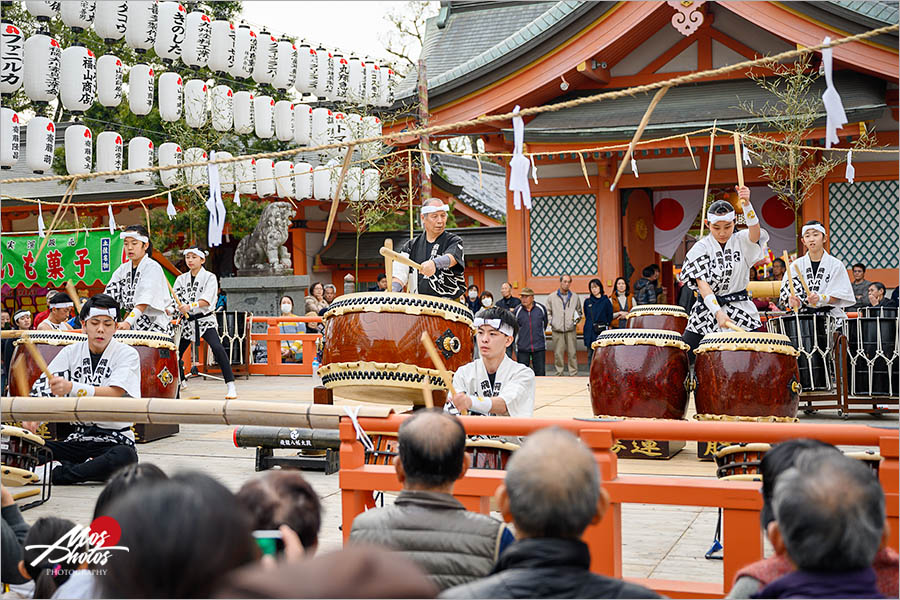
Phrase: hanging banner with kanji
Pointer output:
(88, 256)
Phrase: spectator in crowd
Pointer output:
(597, 314)
(59, 310)
(876, 293)
(487, 299)
(426, 523)
(778, 270)
(507, 300)
(316, 301)
(472, 298)
(893, 302)
(330, 293)
(291, 350)
(5, 319)
(39, 318)
(646, 291)
(123, 481)
(531, 348)
(183, 535)
(551, 503)
(860, 285)
(381, 283)
(622, 302)
(22, 319)
(564, 312)
(48, 573)
(14, 530)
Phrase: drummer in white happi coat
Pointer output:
(829, 285)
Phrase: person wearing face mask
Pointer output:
(487, 299)
(472, 299)
(291, 350)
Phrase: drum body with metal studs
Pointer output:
(22, 451)
(48, 344)
(486, 453)
(372, 349)
(668, 317)
(159, 361)
(746, 374)
(741, 461)
(639, 373)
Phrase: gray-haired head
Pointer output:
(550, 496)
(429, 202)
(830, 512)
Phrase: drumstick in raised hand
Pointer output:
(788, 264)
(387, 253)
(439, 364)
(70, 287)
(799, 273)
(172, 291)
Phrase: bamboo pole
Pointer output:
(712, 141)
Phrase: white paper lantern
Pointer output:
(284, 179)
(243, 113)
(42, 57)
(285, 65)
(78, 83)
(221, 47)
(371, 127)
(226, 171)
(44, 10)
(265, 171)
(356, 84)
(40, 140)
(354, 124)
(302, 124)
(264, 117)
(140, 89)
(77, 14)
(79, 149)
(307, 69)
(353, 184)
(386, 89)
(110, 73)
(244, 52)
(324, 84)
(339, 74)
(284, 121)
(338, 133)
(222, 109)
(109, 152)
(140, 156)
(195, 49)
(169, 155)
(195, 103)
(169, 31)
(171, 97)
(245, 176)
(303, 180)
(9, 138)
(322, 119)
(266, 58)
(373, 80)
(111, 21)
(322, 182)
(140, 30)
(12, 58)
(371, 184)
(196, 176)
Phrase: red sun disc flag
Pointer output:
(673, 214)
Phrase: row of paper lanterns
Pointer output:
(193, 38)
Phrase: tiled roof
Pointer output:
(487, 195)
(879, 10)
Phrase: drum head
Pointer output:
(748, 340)
(381, 383)
(150, 339)
(53, 338)
(10, 431)
(636, 337)
(400, 302)
(657, 309)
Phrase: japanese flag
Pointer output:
(776, 218)
(673, 214)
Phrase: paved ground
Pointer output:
(658, 541)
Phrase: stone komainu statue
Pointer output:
(264, 249)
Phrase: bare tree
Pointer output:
(406, 34)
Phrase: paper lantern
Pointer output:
(40, 140)
(322, 183)
(324, 84)
(140, 156)
(171, 97)
(302, 124)
(307, 69)
(243, 113)
(195, 49)
(353, 184)
(264, 117)
(42, 57)
(195, 103)
(373, 81)
(339, 72)
(109, 80)
(284, 121)
(266, 54)
(9, 138)
(245, 176)
(354, 124)
(371, 127)
(79, 149)
(371, 183)
(43, 10)
(169, 31)
(169, 155)
(77, 14)
(356, 80)
(322, 119)
(111, 20)
(221, 47)
(339, 132)
(265, 171)
(284, 179)
(109, 152)
(140, 89)
(140, 30)
(285, 65)
(12, 58)
(303, 180)
(386, 89)
(226, 171)
(244, 52)
(196, 176)
(222, 108)
(78, 79)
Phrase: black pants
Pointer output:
(536, 360)
(692, 339)
(105, 459)
(211, 336)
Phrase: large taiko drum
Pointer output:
(372, 349)
(159, 361)
(668, 317)
(873, 352)
(22, 451)
(746, 374)
(639, 373)
(48, 344)
(486, 453)
(741, 461)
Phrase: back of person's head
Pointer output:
(775, 462)
(504, 316)
(124, 480)
(182, 535)
(432, 448)
(830, 512)
(47, 574)
(98, 301)
(648, 272)
(283, 498)
(549, 497)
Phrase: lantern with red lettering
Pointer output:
(111, 20)
(42, 10)
(140, 156)
(171, 97)
(302, 124)
(303, 181)
(140, 30)
(284, 121)
(339, 73)
(109, 80)
(285, 65)
(324, 83)
(169, 156)
(222, 108)
(221, 47)
(12, 58)
(78, 85)
(264, 117)
(9, 138)
(245, 176)
(322, 119)
(169, 31)
(109, 152)
(266, 55)
(77, 14)
(196, 176)
(245, 43)
(140, 89)
(265, 171)
(373, 80)
(371, 184)
(243, 113)
(195, 49)
(284, 179)
(40, 139)
(79, 149)
(356, 80)
(226, 171)
(195, 103)
(386, 89)
(42, 57)
(338, 133)
(307, 69)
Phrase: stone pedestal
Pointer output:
(261, 294)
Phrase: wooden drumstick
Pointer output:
(18, 371)
(734, 327)
(426, 394)
(439, 364)
(36, 356)
(738, 162)
(389, 263)
(797, 270)
(70, 287)
(172, 291)
(788, 264)
(403, 260)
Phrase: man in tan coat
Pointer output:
(564, 311)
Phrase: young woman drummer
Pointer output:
(718, 269)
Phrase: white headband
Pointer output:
(96, 311)
(61, 305)
(427, 210)
(814, 227)
(729, 216)
(137, 236)
(21, 314)
(496, 324)
(194, 251)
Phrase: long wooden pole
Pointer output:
(637, 135)
(337, 194)
(712, 141)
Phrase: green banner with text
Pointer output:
(88, 256)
